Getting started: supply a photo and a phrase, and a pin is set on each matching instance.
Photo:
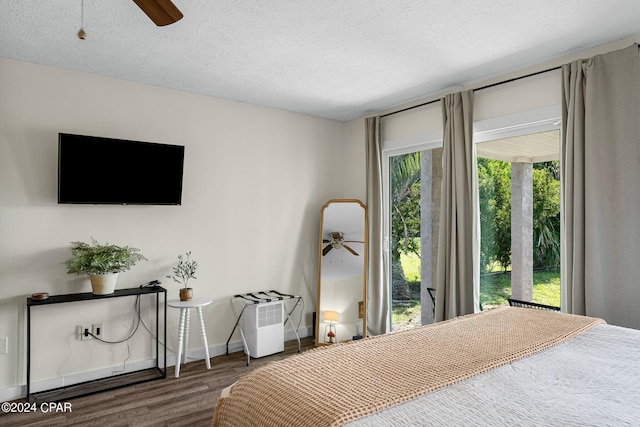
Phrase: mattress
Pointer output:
(590, 380)
(389, 375)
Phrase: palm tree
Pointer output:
(405, 174)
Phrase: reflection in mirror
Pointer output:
(342, 267)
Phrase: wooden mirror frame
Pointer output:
(353, 309)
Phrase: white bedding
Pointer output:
(590, 380)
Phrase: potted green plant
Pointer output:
(102, 262)
(184, 270)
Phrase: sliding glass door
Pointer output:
(519, 192)
(414, 203)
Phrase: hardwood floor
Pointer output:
(186, 401)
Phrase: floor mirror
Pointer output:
(342, 272)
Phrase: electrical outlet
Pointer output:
(96, 330)
(4, 345)
(83, 332)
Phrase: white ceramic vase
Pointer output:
(103, 284)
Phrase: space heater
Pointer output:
(264, 328)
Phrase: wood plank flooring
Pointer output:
(186, 401)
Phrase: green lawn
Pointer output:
(495, 288)
(405, 315)
(411, 266)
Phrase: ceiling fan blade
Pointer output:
(161, 12)
(326, 250)
(354, 241)
(325, 241)
(350, 250)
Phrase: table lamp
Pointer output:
(330, 330)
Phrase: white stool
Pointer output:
(183, 328)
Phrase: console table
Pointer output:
(110, 382)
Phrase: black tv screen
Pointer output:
(93, 170)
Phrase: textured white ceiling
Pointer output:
(331, 58)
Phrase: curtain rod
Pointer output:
(476, 90)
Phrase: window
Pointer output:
(527, 138)
(414, 193)
(519, 192)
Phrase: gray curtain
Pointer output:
(458, 266)
(378, 314)
(600, 179)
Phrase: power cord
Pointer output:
(140, 320)
(150, 284)
(154, 335)
(132, 330)
(124, 362)
(138, 317)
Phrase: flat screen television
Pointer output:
(94, 170)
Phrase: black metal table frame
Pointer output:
(88, 296)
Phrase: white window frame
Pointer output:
(508, 126)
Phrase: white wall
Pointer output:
(354, 161)
(341, 296)
(255, 180)
(347, 294)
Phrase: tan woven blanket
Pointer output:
(329, 386)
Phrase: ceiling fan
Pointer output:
(161, 12)
(336, 241)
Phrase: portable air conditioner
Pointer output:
(264, 328)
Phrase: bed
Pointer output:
(508, 366)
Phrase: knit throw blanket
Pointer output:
(329, 386)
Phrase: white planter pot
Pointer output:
(103, 284)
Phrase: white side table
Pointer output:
(183, 328)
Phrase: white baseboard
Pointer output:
(20, 391)
(302, 333)
(12, 393)
(220, 349)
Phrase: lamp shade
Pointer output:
(331, 316)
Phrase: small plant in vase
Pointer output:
(102, 263)
(184, 270)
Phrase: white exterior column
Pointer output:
(430, 195)
(426, 267)
(522, 231)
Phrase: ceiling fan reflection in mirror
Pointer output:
(336, 241)
(161, 12)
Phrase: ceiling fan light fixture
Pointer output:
(337, 239)
(82, 34)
